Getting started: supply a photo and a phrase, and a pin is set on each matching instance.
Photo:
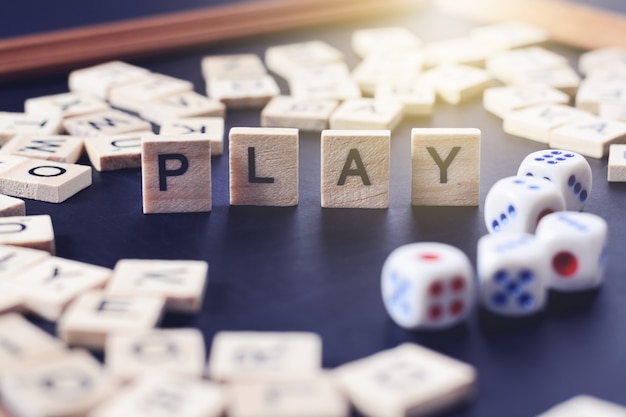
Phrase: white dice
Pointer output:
(569, 171)
(516, 204)
(427, 285)
(576, 244)
(513, 271)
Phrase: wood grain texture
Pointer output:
(63, 50)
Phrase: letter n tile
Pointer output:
(263, 166)
(445, 166)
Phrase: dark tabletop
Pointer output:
(313, 269)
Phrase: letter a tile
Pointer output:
(263, 166)
(446, 167)
(176, 173)
(355, 168)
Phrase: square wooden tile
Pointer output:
(406, 380)
(12, 124)
(109, 153)
(314, 397)
(97, 80)
(564, 78)
(14, 259)
(536, 122)
(182, 105)
(387, 66)
(94, 315)
(366, 114)
(338, 89)
(53, 283)
(11, 206)
(263, 166)
(110, 122)
(505, 65)
(172, 351)
(417, 98)
(509, 35)
(355, 168)
(65, 104)
(617, 163)
(241, 93)
(232, 66)
(176, 173)
(68, 386)
(457, 83)
(583, 406)
(264, 356)
(181, 283)
(23, 344)
(165, 396)
(53, 182)
(211, 126)
(59, 148)
(501, 101)
(284, 59)
(391, 38)
(445, 166)
(33, 232)
(589, 137)
(613, 111)
(463, 50)
(303, 114)
(151, 88)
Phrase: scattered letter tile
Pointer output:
(406, 380)
(264, 356)
(617, 163)
(590, 136)
(28, 231)
(366, 114)
(446, 166)
(109, 153)
(536, 122)
(393, 38)
(303, 114)
(181, 283)
(14, 259)
(177, 351)
(211, 126)
(153, 87)
(263, 166)
(65, 104)
(110, 122)
(99, 79)
(59, 148)
(94, 315)
(355, 168)
(238, 93)
(178, 106)
(284, 59)
(500, 101)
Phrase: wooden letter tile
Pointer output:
(213, 127)
(240, 93)
(445, 167)
(509, 35)
(176, 173)
(393, 38)
(99, 79)
(562, 78)
(110, 122)
(500, 101)
(592, 93)
(463, 51)
(315, 397)
(174, 351)
(53, 283)
(165, 396)
(59, 148)
(65, 104)
(617, 163)
(11, 206)
(504, 66)
(285, 111)
(457, 83)
(12, 124)
(182, 105)
(14, 259)
(590, 136)
(181, 283)
(284, 59)
(324, 88)
(600, 59)
(109, 153)
(264, 356)
(535, 123)
(263, 166)
(583, 406)
(69, 386)
(366, 114)
(49, 181)
(229, 67)
(407, 380)
(355, 168)
(94, 315)
(34, 232)
(417, 98)
(23, 344)
(385, 67)
(153, 87)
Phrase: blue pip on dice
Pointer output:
(539, 240)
